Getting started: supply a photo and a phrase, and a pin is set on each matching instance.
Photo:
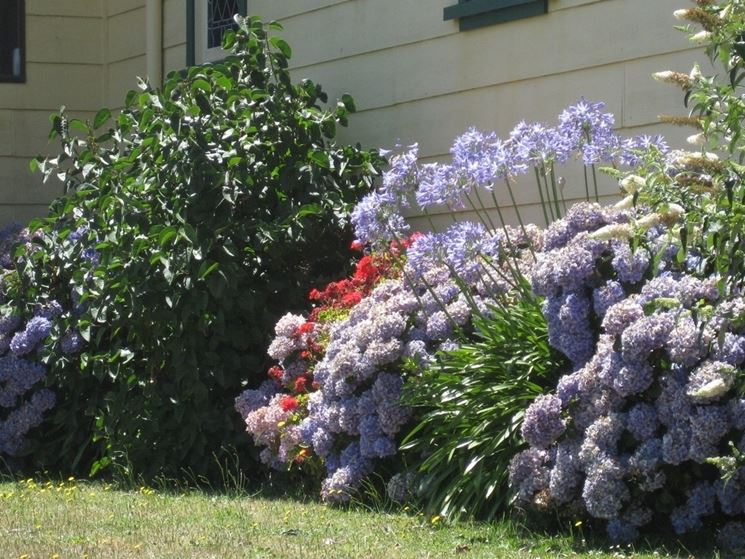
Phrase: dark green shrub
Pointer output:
(193, 219)
(473, 400)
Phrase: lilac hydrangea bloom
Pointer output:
(29, 338)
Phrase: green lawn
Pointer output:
(76, 519)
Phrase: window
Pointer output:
(478, 13)
(12, 28)
(207, 21)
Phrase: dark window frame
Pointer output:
(191, 29)
(21, 77)
(472, 14)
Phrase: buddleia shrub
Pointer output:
(470, 404)
(192, 220)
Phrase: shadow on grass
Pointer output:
(540, 534)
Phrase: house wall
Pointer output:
(64, 65)
(415, 77)
(126, 44)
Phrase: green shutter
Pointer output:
(191, 55)
(472, 14)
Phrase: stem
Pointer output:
(540, 193)
(481, 203)
(587, 184)
(429, 219)
(544, 174)
(561, 192)
(595, 180)
(556, 194)
(477, 212)
(499, 213)
(456, 327)
(498, 271)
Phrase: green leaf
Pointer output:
(101, 118)
(205, 270)
(201, 85)
(282, 45)
(348, 103)
(167, 235)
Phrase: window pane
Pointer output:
(11, 39)
(219, 19)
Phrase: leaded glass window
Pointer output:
(219, 20)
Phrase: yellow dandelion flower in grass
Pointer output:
(435, 520)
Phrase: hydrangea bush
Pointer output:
(27, 331)
(648, 428)
(335, 395)
(353, 416)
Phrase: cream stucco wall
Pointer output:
(415, 77)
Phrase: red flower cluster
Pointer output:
(289, 403)
(339, 295)
(346, 293)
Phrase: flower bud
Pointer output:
(613, 231)
(632, 183)
(696, 139)
(626, 203)
(712, 389)
(696, 71)
(701, 38)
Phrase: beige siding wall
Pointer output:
(126, 42)
(64, 66)
(84, 54)
(415, 77)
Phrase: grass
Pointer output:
(76, 519)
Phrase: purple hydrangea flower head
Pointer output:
(605, 296)
(72, 343)
(604, 492)
(642, 421)
(9, 323)
(529, 473)
(27, 340)
(543, 423)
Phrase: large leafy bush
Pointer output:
(193, 219)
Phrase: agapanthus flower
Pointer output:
(377, 219)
